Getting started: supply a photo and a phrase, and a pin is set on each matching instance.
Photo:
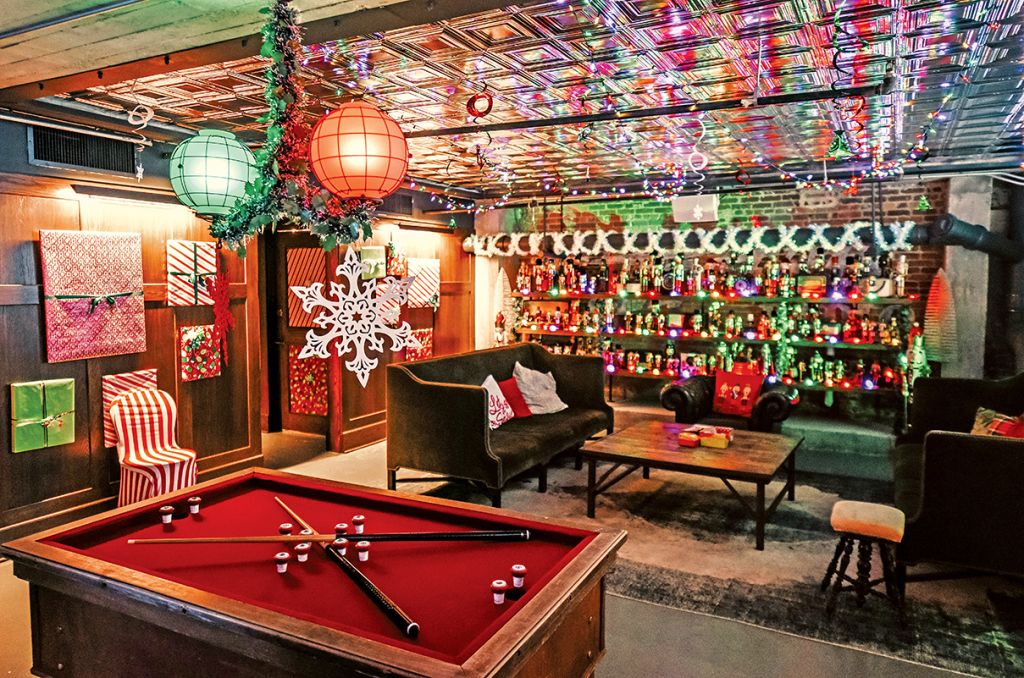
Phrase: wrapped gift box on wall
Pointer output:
(92, 286)
(398, 263)
(375, 260)
(116, 384)
(190, 264)
(42, 414)
(305, 266)
(426, 288)
(200, 355)
(307, 384)
(425, 349)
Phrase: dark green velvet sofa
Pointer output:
(437, 416)
(962, 494)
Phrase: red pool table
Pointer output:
(102, 607)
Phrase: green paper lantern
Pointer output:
(210, 170)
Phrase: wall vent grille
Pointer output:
(70, 149)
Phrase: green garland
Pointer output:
(281, 194)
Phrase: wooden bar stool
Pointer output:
(865, 524)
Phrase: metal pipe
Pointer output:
(695, 107)
(950, 230)
(66, 127)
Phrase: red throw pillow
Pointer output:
(510, 389)
(736, 394)
(991, 423)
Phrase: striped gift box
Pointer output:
(390, 309)
(189, 264)
(117, 384)
(305, 267)
(425, 290)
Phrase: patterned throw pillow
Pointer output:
(991, 423)
(736, 392)
(538, 389)
(498, 409)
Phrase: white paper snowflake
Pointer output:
(358, 319)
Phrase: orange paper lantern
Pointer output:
(358, 151)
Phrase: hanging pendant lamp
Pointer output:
(359, 152)
(210, 170)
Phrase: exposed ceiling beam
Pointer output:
(66, 18)
(799, 97)
(362, 22)
(726, 183)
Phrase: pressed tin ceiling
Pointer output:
(562, 58)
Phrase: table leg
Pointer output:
(791, 479)
(591, 486)
(759, 517)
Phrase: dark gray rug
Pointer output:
(691, 547)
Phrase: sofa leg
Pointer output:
(495, 493)
(392, 478)
(542, 478)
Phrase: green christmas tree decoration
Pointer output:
(840, 148)
(923, 203)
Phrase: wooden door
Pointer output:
(297, 387)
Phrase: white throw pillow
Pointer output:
(498, 409)
(538, 390)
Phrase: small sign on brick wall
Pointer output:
(695, 208)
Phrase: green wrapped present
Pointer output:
(43, 414)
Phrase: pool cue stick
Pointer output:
(482, 535)
(403, 621)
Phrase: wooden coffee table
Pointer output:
(751, 457)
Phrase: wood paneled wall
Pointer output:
(362, 416)
(40, 487)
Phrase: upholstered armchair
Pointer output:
(961, 493)
(692, 399)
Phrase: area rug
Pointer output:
(691, 547)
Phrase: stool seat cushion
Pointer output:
(865, 519)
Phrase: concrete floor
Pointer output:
(643, 639)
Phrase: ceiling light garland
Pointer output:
(858, 236)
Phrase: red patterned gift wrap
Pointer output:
(93, 295)
(305, 266)
(190, 264)
(307, 384)
(425, 350)
(200, 355)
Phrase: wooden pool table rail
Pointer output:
(564, 625)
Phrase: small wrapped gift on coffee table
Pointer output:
(717, 437)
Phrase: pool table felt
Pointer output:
(444, 586)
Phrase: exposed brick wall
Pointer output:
(773, 208)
